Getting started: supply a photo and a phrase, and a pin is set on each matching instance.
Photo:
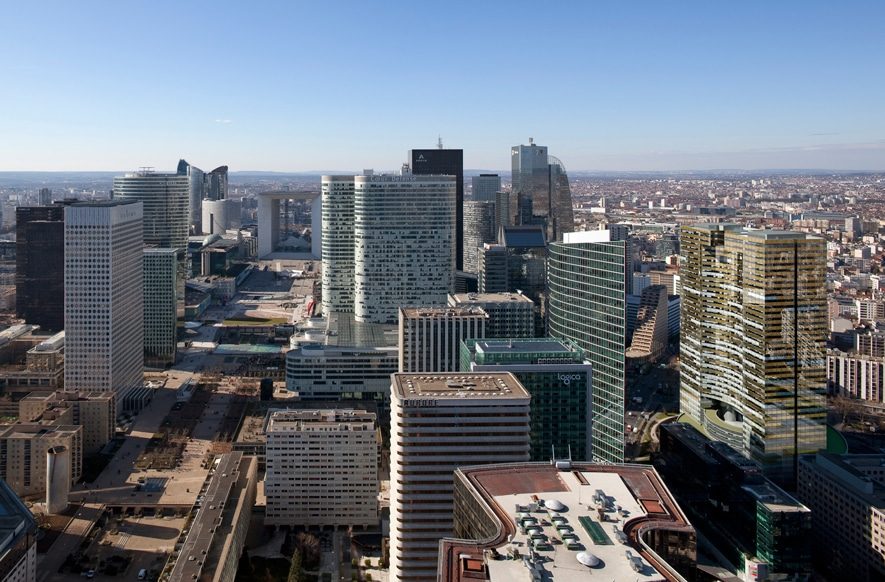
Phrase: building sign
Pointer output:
(421, 403)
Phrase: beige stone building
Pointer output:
(96, 412)
(23, 449)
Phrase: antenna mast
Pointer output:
(439, 142)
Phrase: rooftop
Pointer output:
(524, 236)
(571, 524)
(457, 311)
(485, 298)
(456, 385)
(342, 330)
(319, 420)
(15, 519)
(530, 345)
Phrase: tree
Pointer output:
(309, 546)
(295, 572)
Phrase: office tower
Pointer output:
(216, 184)
(493, 274)
(95, 412)
(587, 305)
(445, 162)
(39, 266)
(430, 337)
(502, 209)
(542, 182)
(485, 187)
(846, 495)
(559, 379)
(438, 423)
(160, 288)
(337, 201)
(756, 525)
(104, 329)
(164, 198)
(322, 468)
(24, 447)
(752, 341)
(507, 518)
(219, 215)
(404, 240)
(511, 315)
(480, 227)
(526, 260)
(651, 332)
(18, 538)
(45, 197)
(195, 188)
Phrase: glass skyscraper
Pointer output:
(587, 305)
(542, 180)
(753, 329)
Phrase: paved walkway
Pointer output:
(68, 542)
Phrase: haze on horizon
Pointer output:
(309, 86)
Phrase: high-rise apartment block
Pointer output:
(542, 182)
(846, 495)
(430, 337)
(322, 468)
(39, 265)
(95, 412)
(438, 423)
(104, 328)
(753, 328)
(337, 243)
(161, 272)
(587, 305)
(24, 447)
(404, 243)
(445, 162)
(511, 315)
(559, 378)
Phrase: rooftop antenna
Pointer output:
(439, 142)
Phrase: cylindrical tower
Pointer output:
(58, 479)
(216, 216)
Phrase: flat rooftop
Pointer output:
(546, 345)
(457, 311)
(594, 511)
(764, 234)
(457, 385)
(484, 298)
(342, 330)
(319, 420)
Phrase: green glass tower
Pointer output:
(587, 305)
(559, 378)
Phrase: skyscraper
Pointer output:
(337, 242)
(430, 338)
(39, 265)
(542, 180)
(480, 227)
(195, 187)
(445, 162)
(104, 329)
(160, 278)
(753, 329)
(404, 236)
(215, 187)
(485, 187)
(587, 305)
(438, 423)
(165, 201)
(45, 197)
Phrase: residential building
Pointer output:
(322, 468)
(752, 334)
(445, 162)
(430, 338)
(856, 375)
(438, 423)
(511, 315)
(587, 305)
(104, 329)
(754, 523)
(560, 381)
(95, 412)
(39, 266)
(338, 243)
(508, 516)
(23, 449)
(404, 243)
(846, 495)
(18, 532)
(161, 267)
(649, 341)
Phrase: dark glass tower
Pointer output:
(445, 162)
(40, 266)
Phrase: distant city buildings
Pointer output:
(104, 325)
(752, 341)
(587, 305)
(322, 468)
(438, 423)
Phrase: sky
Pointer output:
(308, 86)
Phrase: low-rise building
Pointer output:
(23, 449)
(322, 468)
(96, 412)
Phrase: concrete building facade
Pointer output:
(23, 449)
(430, 338)
(511, 315)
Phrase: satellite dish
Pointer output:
(588, 559)
(554, 505)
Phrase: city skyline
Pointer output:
(661, 88)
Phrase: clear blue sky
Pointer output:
(298, 86)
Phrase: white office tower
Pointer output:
(438, 423)
(104, 329)
(322, 468)
(480, 227)
(404, 243)
(165, 201)
(430, 337)
(337, 243)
